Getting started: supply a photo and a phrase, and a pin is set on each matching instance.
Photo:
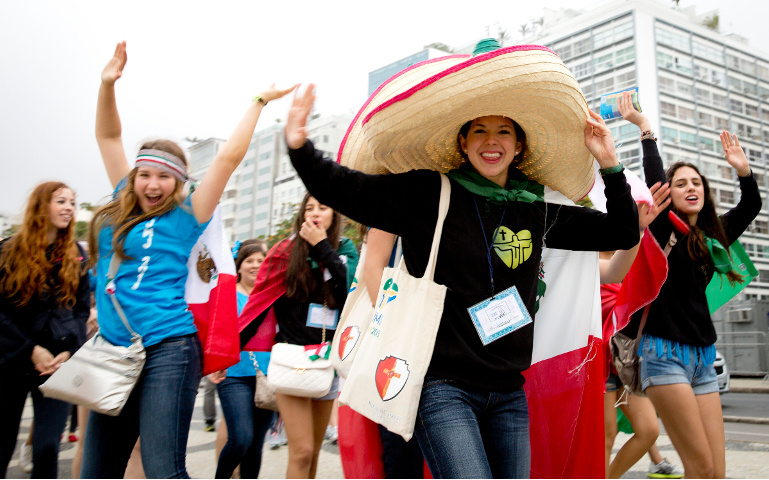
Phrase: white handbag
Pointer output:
(100, 376)
(291, 372)
(385, 381)
(353, 322)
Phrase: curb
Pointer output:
(753, 420)
(749, 389)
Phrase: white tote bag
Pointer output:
(354, 321)
(385, 381)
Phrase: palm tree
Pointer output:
(524, 29)
(539, 23)
(502, 36)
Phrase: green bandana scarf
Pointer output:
(719, 255)
(519, 187)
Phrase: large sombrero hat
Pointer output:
(412, 121)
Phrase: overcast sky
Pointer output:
(194, 66)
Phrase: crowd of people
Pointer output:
(473, 416)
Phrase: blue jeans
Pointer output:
(246, 428)
(467, 433)
(159, 409)
(666, 363)
(50, 416)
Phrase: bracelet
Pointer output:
(611, 170)
(648, 135)
(259, 99)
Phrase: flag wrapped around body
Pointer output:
(210, 295)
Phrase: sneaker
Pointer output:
(664, 469)
(209, 427)
(72, 438)
(274, 441)
(25, 457)
(332, 434)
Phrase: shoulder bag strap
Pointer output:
(114, 265)
(671, 243)
(443, 208)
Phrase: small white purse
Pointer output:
(291, 372)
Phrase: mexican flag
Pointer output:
(210, 295)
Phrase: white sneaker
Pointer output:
(332, 434)
(664, 469)
(25, 457)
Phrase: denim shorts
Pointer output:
(333, 393)
(613, 383)
(667, 367)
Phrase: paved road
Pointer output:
(745, 459)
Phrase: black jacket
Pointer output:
(42, 322)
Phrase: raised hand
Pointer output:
(661, 197)
(629, 113)
(313, 234)
(114, 68)
(273, 93)
(295, 130)
(734, 153)
(599, 141)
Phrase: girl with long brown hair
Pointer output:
(152, 227)
(678, 347)
(44, 304)
(315, 268)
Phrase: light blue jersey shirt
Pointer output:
(149, 285)
(245, 368)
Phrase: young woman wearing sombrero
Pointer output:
(457, 114)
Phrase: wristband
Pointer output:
(611, 170)
(648, 135)
(259, 99)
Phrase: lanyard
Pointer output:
(489, 245)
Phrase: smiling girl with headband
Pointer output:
(152, 227)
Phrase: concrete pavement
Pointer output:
(743, 459)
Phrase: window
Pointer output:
(703, 96)
(247, 177)
(707, 144)
(246, 191)
(263, 186)
(684, 89)
(265, 170)
(726, 172)
(325, 138)
(624, 55)
(604, 86)
(267, 139)
(265, 155)
(721, 123)
(669, 134)
(719, 100)
(727, 196)
(689, 139)
(582, 46)
(668, 109)
(244, 221)
(244, 206)
(604, 62)
(762, 226)
(261, 216)
(704, 119)
(751, 110)
(735, 105)
(686, 114)
(262, 200)
(625, 80)
(664, 60)
(667, 85)
(581, 70)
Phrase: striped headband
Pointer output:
(165, 161)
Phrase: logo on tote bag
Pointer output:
(350, 337)
(353, 285)
(389, 292)
(391, 376)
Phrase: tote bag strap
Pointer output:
(114, 265)
(443, 208)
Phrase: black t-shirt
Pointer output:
(407, 205)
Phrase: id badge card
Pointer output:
(498, 316)
(319, 316)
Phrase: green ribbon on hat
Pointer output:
(485, 46)
(519, 187)
(719, 255)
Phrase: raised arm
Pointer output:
(108, 128)
(736, 220)
(615, 269)
(207, 195)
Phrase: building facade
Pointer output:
(264, 190)
(693, 83)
